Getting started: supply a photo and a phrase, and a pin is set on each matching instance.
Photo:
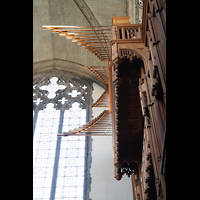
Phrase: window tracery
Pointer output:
(62, 92)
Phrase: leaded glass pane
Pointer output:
(70, 180)
(44, 145)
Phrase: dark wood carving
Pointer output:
(129, 116)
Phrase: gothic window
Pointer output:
(60, 103)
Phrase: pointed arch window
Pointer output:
(61, 102)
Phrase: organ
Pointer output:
(135, 94)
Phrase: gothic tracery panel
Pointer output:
(61, 90)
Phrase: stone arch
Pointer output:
(64, 66)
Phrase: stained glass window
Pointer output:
(72, 154)
(58, 163)
(44, 146)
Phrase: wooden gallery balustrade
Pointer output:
(138, 100)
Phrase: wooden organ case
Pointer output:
(138, 99)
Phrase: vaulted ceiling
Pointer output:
(51, 51)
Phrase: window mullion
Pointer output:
(35, 120)
(57, 154)
(88, 150)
